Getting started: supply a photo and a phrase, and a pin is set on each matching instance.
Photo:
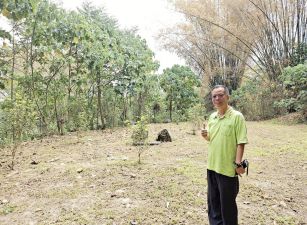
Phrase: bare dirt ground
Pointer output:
(94, 178)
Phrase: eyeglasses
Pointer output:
(219, 96)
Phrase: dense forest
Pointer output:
(63, 71)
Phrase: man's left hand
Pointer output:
(240, 170)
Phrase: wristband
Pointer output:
(244, 164)
(237, 164)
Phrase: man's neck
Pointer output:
(222, 110)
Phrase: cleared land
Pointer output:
(93, 178)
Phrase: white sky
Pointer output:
(148, 15)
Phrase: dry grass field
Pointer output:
(94, 178)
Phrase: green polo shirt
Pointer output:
(225, 134)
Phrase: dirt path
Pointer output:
(93, 178)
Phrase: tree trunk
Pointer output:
(69, 88)
(59, 119)
(170, 108)
(12, 81)
(100, 115)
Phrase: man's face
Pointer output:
(219, 98)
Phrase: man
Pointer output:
(226, 135)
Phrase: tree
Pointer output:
(179, 83)
(222, 38)
(132, 84)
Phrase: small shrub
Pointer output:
(140, 135)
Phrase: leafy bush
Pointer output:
(294, 85)
(18, 119)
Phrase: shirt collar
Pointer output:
(226, 115)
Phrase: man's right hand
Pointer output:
(204, 132)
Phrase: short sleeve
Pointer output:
(241, 130)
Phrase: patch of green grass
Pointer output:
(197, 200)
(253, 193)
(261, 219)
(127, 162)
(171, 189)
(72, 218)
(110, 215)
(156, 193)
(164, 172)
(193, 171)
(286, 220)
(100, 210)
(42, 168)
(278, 149)
(168, 190)
(64, 193)
(7, 209)
(148, 215)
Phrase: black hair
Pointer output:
(226, 90)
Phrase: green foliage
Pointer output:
(7, 209)
(180, 83)
(78, 118)
(17, 10)
(140, 131)
(140, 135)
(294, 83)
(255, 99)
(299, 55)
(5, 35)
(136, 79)
(18, 119)
(154, 104)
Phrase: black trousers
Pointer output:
(222, 193)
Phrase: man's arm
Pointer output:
(240, 152)
(239, 156)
